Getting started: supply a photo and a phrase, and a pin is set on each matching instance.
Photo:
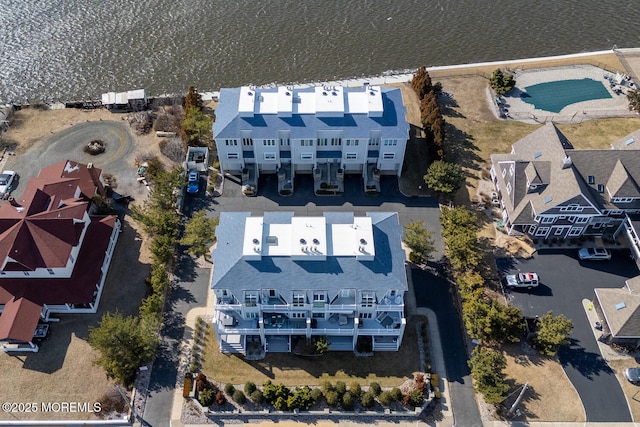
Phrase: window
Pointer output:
(50, 270)
(231, 156)
(582, 219)
(318, 315)
(542, 231)
(352, 142)
(558, 231)
(351, 156)
(285, 142)
(319, 299)
(336, 142)
(230, 142)
(571, 208)
(600, 188)
(247, 142)
(306, 156)
(322, 142)
(306, 142)
(298, 299)
(250, 299)
(269, 142)
(374, 142)
(26, 273)
(367, 299)
(388, 156)
(548, 219)
(298, 315)
(365, 315)
(592, 179)
(575, 231)
(389, 142)
(269, 156)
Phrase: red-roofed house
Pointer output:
(45, 265)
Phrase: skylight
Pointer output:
(629, 141)
(537, 154)
(620, 305)
(547, 199)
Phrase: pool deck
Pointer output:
(517, 109)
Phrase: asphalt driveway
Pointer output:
(564, 282)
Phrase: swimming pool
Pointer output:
(554, 96)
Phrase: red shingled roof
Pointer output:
(40, 231)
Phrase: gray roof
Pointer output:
(386, 271)
(392, 123)
(620, 309)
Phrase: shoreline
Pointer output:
(610, 60)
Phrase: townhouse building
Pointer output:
(309, 130)
(547, 189)
(281, 280)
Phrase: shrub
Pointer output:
(327, 386)
(281, 403)
(206, 397)
(348, 401)
(220, 398)
(272, 393)
(332, 398)
(256, 397)
(386, 398)
(355, 388)
(202, 382)
(229, 389)
(300, 398)
(239, 397)
(249, 388)
(341, 388)
(316, 394)
(368, 400)
(375, 388)
(396, 393)
(415, 398)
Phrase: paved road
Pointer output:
(564, 283)
(434, 291)
(188, 291)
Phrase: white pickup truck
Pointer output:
(6, 182)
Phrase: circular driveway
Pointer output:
(117, 160)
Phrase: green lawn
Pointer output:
(389, 369)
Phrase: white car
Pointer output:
(522, 280)
(6, 179)
(594, 254)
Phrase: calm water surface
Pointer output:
(77, 49)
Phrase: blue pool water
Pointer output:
(554, 96)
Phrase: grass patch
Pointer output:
(389, 369)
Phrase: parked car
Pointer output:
(193, 183)
(632, 375)
(522, 280)
(594, 254)
(6, 180)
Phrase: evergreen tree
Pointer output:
(199, 232)
(552, 333)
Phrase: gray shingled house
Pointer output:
(282, 280)
(548, 189)
(619, 311)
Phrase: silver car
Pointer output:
(594, 254)
(632, 375)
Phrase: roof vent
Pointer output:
(288, 93)
(334, 93)
(362, 241)
(303, 242)
(324, 93)
(316, 241)
(372, 93)
(256, 241)
(249, 93)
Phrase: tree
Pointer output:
(125, 344)
(196, 126)
(199, 232)
(502, 83)
(321, 344)
(419, 240)
(552, 333)
(633, 96)
(444, 177)
(469, 282)
(487, 367)
(421, 82)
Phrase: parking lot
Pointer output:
(564, 282)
